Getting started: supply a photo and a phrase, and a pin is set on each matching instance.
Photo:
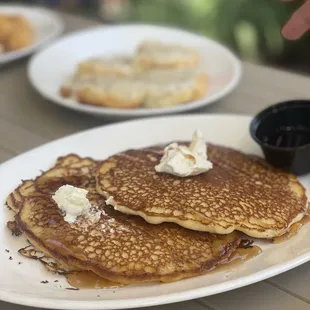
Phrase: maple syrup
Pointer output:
(288, 136)
(293, 230)
(89, 280)
(238, 257)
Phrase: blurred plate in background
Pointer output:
(48, 69)
(46, 25)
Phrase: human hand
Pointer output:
(299, 22)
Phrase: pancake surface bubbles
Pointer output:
(117, 247)
(241, 192)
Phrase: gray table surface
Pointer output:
(27, 121)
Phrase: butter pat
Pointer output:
(183, 161)
(72, 201)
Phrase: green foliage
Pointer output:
(263, 18)
(250, 27)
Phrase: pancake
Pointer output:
(119, 247)
(65, 167)
(241, 193)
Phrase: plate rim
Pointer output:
(125, 122)
(58, 25)
(193, 294)
(29, 300)
(102, 111)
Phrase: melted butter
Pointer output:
(293, 230)
(238, 257)
(89, 280)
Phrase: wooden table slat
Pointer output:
(5, 154)
(296, 280)
(255, 297)
(17, 139)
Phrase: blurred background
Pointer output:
(249, 27)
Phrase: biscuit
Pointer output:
(19, 39)
(6, 27)
(100, 66)
(66, 91)
(71, 85)
(15, 32)
(152, 54)
(123, 94)
(170, 78)
(178, 92)
(131, 93)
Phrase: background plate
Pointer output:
(47, 25)
(49, 69)
(21, 283)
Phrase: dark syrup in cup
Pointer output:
(283, 132)
(288, 136)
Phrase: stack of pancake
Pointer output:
(155, 226)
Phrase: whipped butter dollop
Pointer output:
(184, 161)
(72, 201)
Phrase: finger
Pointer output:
(298, 24)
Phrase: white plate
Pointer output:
(49, 69)
(21, 283)
(47, 25)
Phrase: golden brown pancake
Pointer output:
(118, 247)
(65, 167)
(241, 193)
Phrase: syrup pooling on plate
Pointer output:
(77, 279)
(240, 256)
(294, 229)
(89, 280)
